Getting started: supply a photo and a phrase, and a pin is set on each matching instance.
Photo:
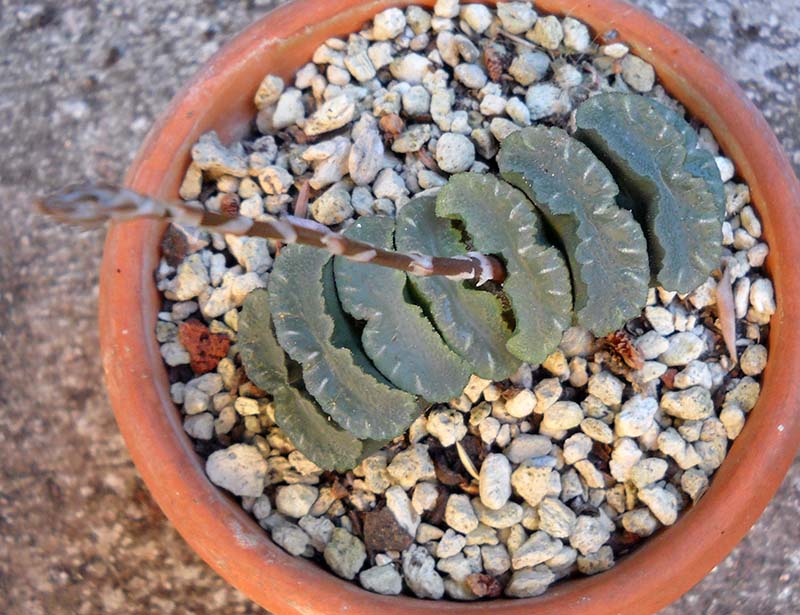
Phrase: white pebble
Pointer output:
(240, 469)
(454, 153)
(495, 481)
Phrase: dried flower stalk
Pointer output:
(96, 203)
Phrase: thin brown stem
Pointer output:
(93, 203)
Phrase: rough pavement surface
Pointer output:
(80, 84)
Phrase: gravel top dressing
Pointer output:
(515, 484)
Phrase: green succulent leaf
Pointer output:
(674, 191)
(699, 162)
(576, 193)
(309, 324)
(470, 321)
(310, 430)
(398, 337)
(500, 220)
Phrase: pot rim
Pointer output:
(229, 540)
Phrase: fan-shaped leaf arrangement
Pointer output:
(376, 346)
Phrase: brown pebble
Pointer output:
(205, 349)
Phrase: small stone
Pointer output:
(475, 388)
(389, 185)
(745, 394)
(419, 572)
(532, 482)
(546, 99)
(762, 298)
(547, 32)
(638, 74)
(428, 533)
(556, 518)
(732, 418)
(529, 67)
(454, 153)
(625, 455)
(562, 415)
(501, 128)
(522, 404)
(240, 469)
(750, 221)
(275, 180)
(319, 530)
(683, 348)
(577, 447)
(636, 416)
(496, 559)
(366, 154)
(593, 477)
(518, 111)
(295, 500)
(651, 345)
(607, 388)
(382, 580)
(648, 471)
(471, 75)
(388, 24)
(527, 446)
(418, 19)
(211, 156)
(694, 483)
(662, 503)
(615, 50)
(200, 426)
(398, 502)
(516, 17)
(639, 521)
(556, 364)
(290, 109)
(588, 534)
(411, 68)
(447, 426)
(446, 8)
(597, 430)
(576, 35)
(495, 481)
(539, 548)
(477, 16)
(690, 404)
(411, 466)
(424, 497)
(753, 360)
(459, 514)
(595, 563)
(291, 538)
(345, 553)
(332, 115)
(507, 515)
(450, 544)
(484, 535)
(269, 92)
(661, 319)
(333, 207)
(725, 167)
(696, 373)
(530, 582)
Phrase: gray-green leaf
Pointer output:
(310, 430)
(671, 190)
(470, 321)
(500, 220)
(306, 320)
(576, 193)
(398, 337)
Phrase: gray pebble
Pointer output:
(454, 153)
(240, 469)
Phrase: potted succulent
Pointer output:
(614, 139)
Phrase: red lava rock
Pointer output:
(174, 246)
(494, 63)
(484, 586)
(205, 349)
(383, 533)
(229, 205)
(668, 379)
(392, 125)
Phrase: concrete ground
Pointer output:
(80, 83)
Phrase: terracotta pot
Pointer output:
(230, 541)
